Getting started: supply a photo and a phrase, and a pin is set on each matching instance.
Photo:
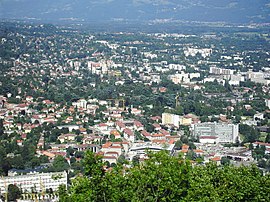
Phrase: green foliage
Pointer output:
(258, 152)
(267, 139)
(59, 164)
(225, 161)
(166, 178)
(13, 192)
(93, 165)
(215, 87)
(250, 133)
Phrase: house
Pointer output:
(159, 141)
(67, 137)
(216, 159)
(158, 136)
(91, 139)
(29, 99)
(50, 155)
(157, 127)
(92, 147)
(120, 126)
(184, 148)
(20, 142)
(138, 126)
(267, 145)
(69, 127)
(115, 133)
(83, 130)
(156, 118)
(102, 126)
(129, 135)
(145, 134)
(136, 111)
(110, 159)
(164, 132)
(259, 116)
(111, 147)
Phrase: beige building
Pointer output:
(168, 118)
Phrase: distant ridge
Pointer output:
(237, 11)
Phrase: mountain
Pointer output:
(230, 11)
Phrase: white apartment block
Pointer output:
(258, 77)
(180, 78)
(37, 182)
(255, 75)
(224, 133)
(177, 67)
(234, 79)
(219, 71)
(204, 52)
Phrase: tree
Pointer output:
(225, 161)
(121, 159)
(178, 144)
(267, 139)
(60, 164)
(166, 178)
(93, 165)
(250, 133)
(250, 146)
(13, 192)
(79, 138)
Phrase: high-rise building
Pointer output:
(224, 133)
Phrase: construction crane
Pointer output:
(177, 102)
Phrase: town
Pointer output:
(64, 90)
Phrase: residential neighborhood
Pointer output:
(65, 91)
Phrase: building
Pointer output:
(35, 182)
(168, 118)
(267, 103)
(225, 133)
(141, 149)
(204, 52)
(220, 71)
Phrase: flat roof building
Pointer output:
(37, 182)
(224, 133)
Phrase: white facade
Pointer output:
(267, 103)
(180, 78)
(219, 71)
(37, 181)
(177, 67)
(225, 133)
(69, 127)
(204, 52)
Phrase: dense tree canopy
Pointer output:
(166, 178)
